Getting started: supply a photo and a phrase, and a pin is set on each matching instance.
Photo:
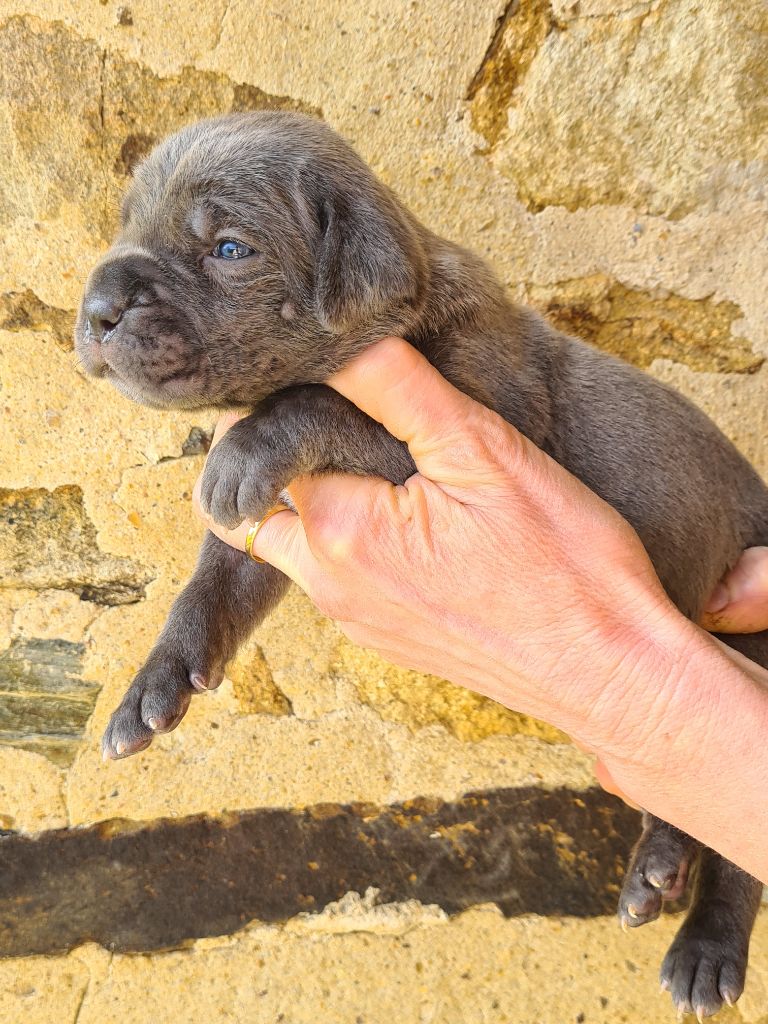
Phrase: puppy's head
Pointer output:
(256, 251)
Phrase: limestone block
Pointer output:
(594, 110)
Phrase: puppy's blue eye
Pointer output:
(231, 249)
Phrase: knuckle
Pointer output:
(338, 540)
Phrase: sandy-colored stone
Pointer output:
(53, 615)
(24, 311)
(31, 792)
(662, 128)
(47, 542)
(253, 685)
(474, 969)
(356, 913)
(221, 759)
(300, 645)
(640, 328)
(615, 141)
(419, 700)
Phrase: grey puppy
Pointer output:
(257, 255)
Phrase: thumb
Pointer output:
(282, 542)
(451, 437)
(739, 603)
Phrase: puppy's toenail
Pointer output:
(153, 723)
(120, 748)
(632, 911)
(198, 682)
(655, 881)
(624, 925)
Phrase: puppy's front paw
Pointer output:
(156, 702)
(237, 481)
(705, 967)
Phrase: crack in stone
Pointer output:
(492, 49)
(24, 311)
(47, 542)
(520, 31)
(224, 15)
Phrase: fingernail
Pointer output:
(718, 599)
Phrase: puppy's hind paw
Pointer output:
(703, 973)
(657, 872)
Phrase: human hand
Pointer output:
(414, 571)
(509, 498)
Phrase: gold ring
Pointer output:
(250, 537)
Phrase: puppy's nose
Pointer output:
(103, 313)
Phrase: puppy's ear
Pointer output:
(369, 259)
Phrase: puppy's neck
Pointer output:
(461, 291)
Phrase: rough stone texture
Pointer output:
(47, 542)
(24, 311)
(641, 328)
(698, 103)
(44, 701)
(421, 700)
(609, 158)
(476, 969)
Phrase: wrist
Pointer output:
(690, 710)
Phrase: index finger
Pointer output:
(449, 435)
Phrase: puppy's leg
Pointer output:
(227, 596)
(707, 962)
(309, 429)
(657, 871)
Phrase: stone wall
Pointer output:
(328, 838)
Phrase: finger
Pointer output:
(605, 779)
(282, 542)
(225, 421)
(450, 436)
(739, 603)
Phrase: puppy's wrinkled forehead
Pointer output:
(208, 176)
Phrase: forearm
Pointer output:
(677, 719)
(702, 762)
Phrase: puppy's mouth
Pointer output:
(162, 372)
(181, 391)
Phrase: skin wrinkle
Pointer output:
(356, 266)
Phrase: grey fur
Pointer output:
(340, 263)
